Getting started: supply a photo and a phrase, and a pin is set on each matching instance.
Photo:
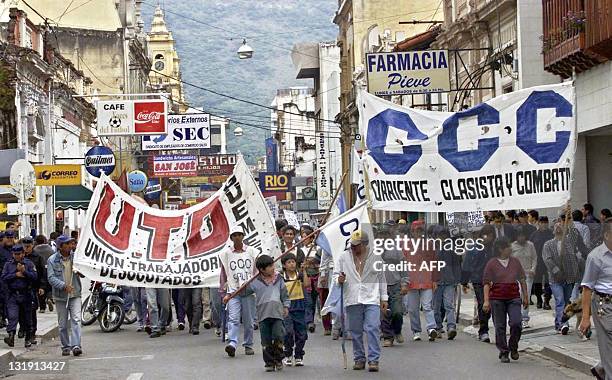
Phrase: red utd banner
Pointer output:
(128, 243)
(150, 117)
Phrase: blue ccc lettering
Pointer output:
(465, 161)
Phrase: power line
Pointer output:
(238, 99)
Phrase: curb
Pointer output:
(6, 356)
(49, 334)
(571, 360)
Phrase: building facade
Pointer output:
(45, 118)
(366, 27)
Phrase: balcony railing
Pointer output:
(577, 35)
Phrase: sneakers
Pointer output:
(155, 334)
(50, 304)
(514, 355)
(299, 362)
(452, 334)
(564, 329)
(140, 329)
(373, 366)
(288, 361)
(311, 327)
(181, 326)
(77, 351)
(217, 331)
(65, 352)
(269, 368)
(387, 342)
(358, 366)
(504, 357)
(433, 334)
(399, 338)
(525, 324)
(231, 350)
(484, 338)
(249, 351)
(207, 325)
(416, 337)
(327, 333)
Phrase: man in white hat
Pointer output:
(237, 267)
(361, 274)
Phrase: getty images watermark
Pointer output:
(413, 248)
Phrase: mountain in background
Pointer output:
(208, 55)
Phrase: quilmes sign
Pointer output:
(99, 159)
(189, 131)
(409, 72)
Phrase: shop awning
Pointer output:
(72, 197)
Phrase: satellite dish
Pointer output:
(22, 175)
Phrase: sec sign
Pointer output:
(188, 131)
(98, 160)
(137, 181)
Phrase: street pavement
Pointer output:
(127, 354)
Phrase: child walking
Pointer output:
(272, 308)
(295, 322)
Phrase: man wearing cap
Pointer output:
(360, 273)
(19, 274)
(66, 286)
(237, 267)
(39, 285)
(5, 256)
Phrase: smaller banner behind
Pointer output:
(128, 243)
(335, 235)
(513, 151)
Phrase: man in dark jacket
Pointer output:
(8, 240)
(44, 250)
(473, 270)
(19, 274)
(38, 287)
(540, 280)
(444, 294)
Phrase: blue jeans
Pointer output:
(295, 333)
(236, 307)
(445, 296)
(364, 318)
(525, 312)
(393, 319)
(69, 318)
(416, 298)
(139, 298)
(562, 293)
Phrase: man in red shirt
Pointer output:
(501, 295)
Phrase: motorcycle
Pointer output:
(104, 304)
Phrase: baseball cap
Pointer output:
(17, 248)
(358, 237)
(63, 239)
(27, 240)
(236, 230)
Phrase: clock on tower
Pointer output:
(159, 65)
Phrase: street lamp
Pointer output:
(238, 132)
(245, 51)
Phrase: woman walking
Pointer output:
(501, 277)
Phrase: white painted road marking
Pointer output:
(135, 376)
(142, 357)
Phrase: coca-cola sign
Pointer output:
(150, 117)
(129, 117)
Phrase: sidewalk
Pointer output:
(541, 338)
(47, 330)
